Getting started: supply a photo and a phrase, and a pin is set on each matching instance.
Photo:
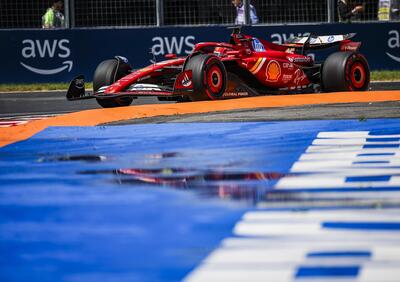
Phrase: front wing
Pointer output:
(77, 91)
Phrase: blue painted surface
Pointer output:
(340, 254)
(327, 271)
(368, 226)
(379, 146)
(372, 162)
(377, 154)
(368, 178)
(383, 139)
(65, 219)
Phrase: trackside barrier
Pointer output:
(57, 55)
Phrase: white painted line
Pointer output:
(345, 165)
(342, 215)
(287, 272)
(349, 149)
(343, 134)
(359, 197)
(20, 120)
(276, 229)
(261, 243)
(354, 134)
(295, 228)
(253, 256)
(210, 274)
(317, 181)
(382, 274)
(354, 156)
(395, 180)
(351, 142)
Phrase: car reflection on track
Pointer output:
(248, 186)
(221, 181)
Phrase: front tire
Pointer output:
(345, 71)
(209, 77)
(108, 72)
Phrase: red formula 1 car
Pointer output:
(246, 66)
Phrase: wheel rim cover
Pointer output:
(358, 75)
(214, 79)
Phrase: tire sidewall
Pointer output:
(106, 73)
(338, 72)
(203, 66)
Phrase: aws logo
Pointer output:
(46, 49)
(394, 43)
(173, 45)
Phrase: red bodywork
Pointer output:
(259, 65)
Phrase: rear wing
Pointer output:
(320, 42)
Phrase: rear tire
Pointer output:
(209, 77)
(108, 72)
(345, 71)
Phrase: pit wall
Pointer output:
(29, 56)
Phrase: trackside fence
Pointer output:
(149, 13)
(58, 55)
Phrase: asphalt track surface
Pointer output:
(39, 103)
(52, 102)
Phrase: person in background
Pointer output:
(395, 10)
(349, 11)
(53, 18)
(240, 12)
(388, 10)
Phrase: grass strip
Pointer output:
(385, 76)
(37, 87)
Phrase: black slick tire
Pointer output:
(209, 77)
(345, 71)
(108, 72)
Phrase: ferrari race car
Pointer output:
(244, 67)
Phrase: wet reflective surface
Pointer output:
(150, 202)
(247, 187)
(67, 158)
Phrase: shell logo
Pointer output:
(273, 71)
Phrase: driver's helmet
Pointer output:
(257, 45)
